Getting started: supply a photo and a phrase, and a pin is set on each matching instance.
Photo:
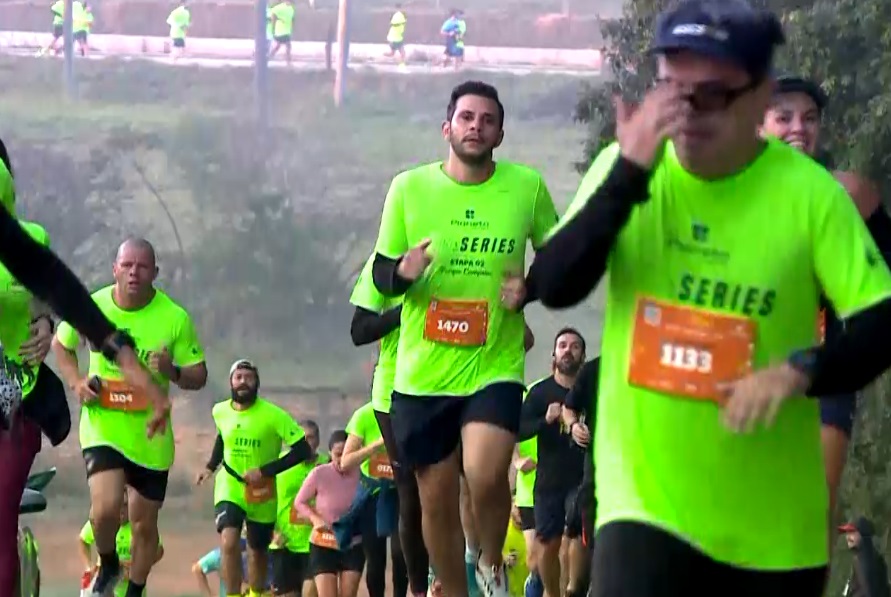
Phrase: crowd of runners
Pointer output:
(280, 17)
(687, 458)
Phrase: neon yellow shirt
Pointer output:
(284, 18)
(123, 543)
(479, 235)
(58, 10)
(363, 425)
(527, 449)
(287, 485)
(761, 244)
(396, 34)
(15, 322)
(515, 544)
(83, 20)
(180, 19)
(160, 324)
(251, 438)
(366, 296)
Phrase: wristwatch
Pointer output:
(805, 362)
(114, 343)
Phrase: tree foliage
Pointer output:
(846, 45)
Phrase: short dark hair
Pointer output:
(574, 332)
(310, 424)
(474, 88)
(337, 436)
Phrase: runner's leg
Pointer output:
(18, 448)
(399, 571)
(411, 538)
(106, 479)
(375, 549)
(229, 520)
(259, 536)
(351, 575)
(550, 516)
(490, 423)
(143, 514)
(427, 432)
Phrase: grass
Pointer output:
(191, 129)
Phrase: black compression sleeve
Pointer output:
(582, 393)
(368, 326)
(297, 454)
(857, 355)
(567, 268)
(50, 280)
(879, 225)
(532, 417)
(216, 455)
(385, 275)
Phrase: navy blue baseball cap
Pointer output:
(729, 30)
(794, 84)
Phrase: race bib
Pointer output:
(379, 466)
(296, 518)
(323, 538)
(821, 325)
(687, 351)
(117, 395)
(460, 323)
(261, 493)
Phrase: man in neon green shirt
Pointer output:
(453, 241)
(114, 415)
(83, 23)
(718, 244)
(58, 10)
(179, 20)
(289, 549)
(251, 433)
(123, 547)
(396, 35)
(282, 27)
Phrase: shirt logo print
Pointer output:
(699, 232)
(469, 214)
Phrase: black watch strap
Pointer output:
(49, 318)
(115, 343)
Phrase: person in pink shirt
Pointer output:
(337, 573)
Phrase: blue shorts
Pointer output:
(839, 412)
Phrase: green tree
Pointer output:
(846, 45)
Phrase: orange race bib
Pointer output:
(323, 538)
(260, 494)
(379, 466)
(296, 518)
(461, 323)
(117, 395)
(687, 351)
(821, 325)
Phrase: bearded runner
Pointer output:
(718, 246)
(116, 451)
(453, 240)
(251, 432)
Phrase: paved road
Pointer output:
(311, 65)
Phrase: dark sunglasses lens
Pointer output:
(710, 99)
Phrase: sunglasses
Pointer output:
(712, 96)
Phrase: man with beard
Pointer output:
(117, 452)
(452, 241)
(560, 463)
(251, 434)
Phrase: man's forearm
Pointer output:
(69, 368)
(192, 378)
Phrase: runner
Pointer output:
(337, 573)
(251, 432)
(179, 20)
(579, 410)
(377, 319)
(42, 273)
(559, 463)
(116, 451)
(313, 438)
(794, 117)
(83, 23)
(453, 30)
(365, 450)
(289, 550)
(123, 547)
(514, 554)
(282, 28)
(58, 11)
(524, 463)
(396, 36)
(702, 245)
(454, 244)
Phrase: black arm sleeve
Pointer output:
(532, 417)
(298, 453)
(850, 360)
(580, 398)
(368, 326)
(216, 455)
(50, 280)
(386, 278)
(879, 226)
(567, 268)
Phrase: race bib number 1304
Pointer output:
(688, 352)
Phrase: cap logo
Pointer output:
(695, 30)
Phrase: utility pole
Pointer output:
(261, 67)
(343, 47)
(68, 45)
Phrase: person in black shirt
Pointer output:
(560, 463)
(579, 414)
